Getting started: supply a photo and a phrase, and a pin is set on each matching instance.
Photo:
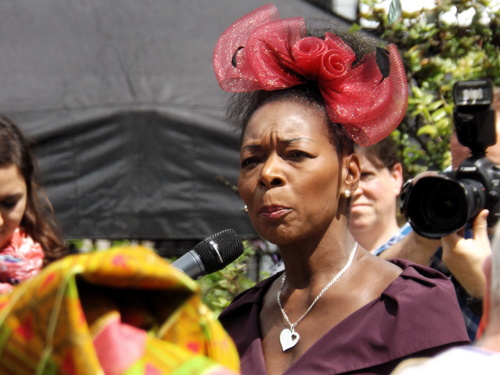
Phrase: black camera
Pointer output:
(442, 204)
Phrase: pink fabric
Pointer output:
(20, 259)
(118, 346)
(260, 51)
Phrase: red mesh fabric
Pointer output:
(369, 107)
(262, 52)
(268, 52)
(231, 47)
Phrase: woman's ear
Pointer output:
(397, 175)
(352, 168)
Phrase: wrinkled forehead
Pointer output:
(288, 119)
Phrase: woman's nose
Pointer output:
(272, 174)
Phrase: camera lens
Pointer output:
(440, 205)
(444, 205)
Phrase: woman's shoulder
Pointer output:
(421, 282)
(420, 273)
(421, 299)
(426, 298)
(251, 296)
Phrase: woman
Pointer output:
(373, 221)
(336, 308)
(29, 237)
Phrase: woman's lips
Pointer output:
(358, 205)
(273, 212)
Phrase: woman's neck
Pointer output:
(372, 238)
(310, 263)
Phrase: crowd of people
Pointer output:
(359, 290)
(296, 93)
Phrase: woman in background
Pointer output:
(29, 236)
(373, 219)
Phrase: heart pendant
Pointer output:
(288, 339)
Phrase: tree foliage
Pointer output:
(454, 41)
(219, 288)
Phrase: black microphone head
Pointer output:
(220, 249)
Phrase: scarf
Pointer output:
(119, 311)
(20, 259)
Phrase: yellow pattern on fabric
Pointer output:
(125, 310)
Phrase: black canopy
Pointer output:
(127, 116)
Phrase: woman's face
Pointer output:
(13, 197)
(291, 176)
(374, 201)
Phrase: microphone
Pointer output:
(211, 255)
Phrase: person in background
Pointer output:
(459, 255)
(373, 218)
(484, 356)
(306, 95)
(29, 235)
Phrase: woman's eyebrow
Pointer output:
(292, 140)
(253, 146)
(11, 196)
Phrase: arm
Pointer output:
(413, 247)
(465, 257)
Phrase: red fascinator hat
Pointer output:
(260, 51)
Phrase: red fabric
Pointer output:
(262, 52)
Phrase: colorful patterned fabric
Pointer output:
(20, 259)
(120, 311)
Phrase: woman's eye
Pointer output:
(249, 162)
(296, 154)
(366, 176)
(8, 204)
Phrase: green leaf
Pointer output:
(438, 114)
(427, 129)
(394, 11)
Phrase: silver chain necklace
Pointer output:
(288, 337)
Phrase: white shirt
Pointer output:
(461, 360)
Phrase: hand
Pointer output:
(413, 247)
(465, 257)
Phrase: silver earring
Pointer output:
(245, 208)
(347, 193)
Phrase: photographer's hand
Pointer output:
(413, 247)
(465, 257)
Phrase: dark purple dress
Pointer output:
(417, 315)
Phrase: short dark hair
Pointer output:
(382, 154)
